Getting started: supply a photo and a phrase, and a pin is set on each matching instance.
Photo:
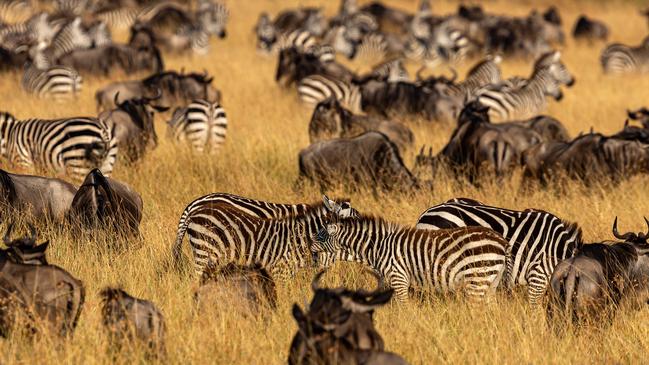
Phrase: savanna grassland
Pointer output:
(268, 127)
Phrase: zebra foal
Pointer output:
(70, 146)
(224, 228)
(537, 240)
(468, 261)
(201, 124)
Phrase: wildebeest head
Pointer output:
(142, 113)
(632, 237)
(326, 121)
(474, 111)
(199, 86)
(336, 314)
(24, 250)
(557, 69)
(641, 115)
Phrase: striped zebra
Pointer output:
(71, 37)
(506, 104)
(537, 240)
(70, 146)
(213, 17)
(619, 58)
(316, 88)
(224, 228)
(300, 39)
(373, 47)
(58, 83)
(118, 18)
(389, 71)
(468, 261)
(14, 10)
(201, 124)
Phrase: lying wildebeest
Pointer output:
(133, 126)
(588, 286)
(48, 297)
(339, 329)
(244, 289)
(589, 158)
(590, 29)
(294, 65)
(127, 319)
(331, 120)
(102, 202)
(177, 90)
(107, 58)
(42, 198)
(370, 159)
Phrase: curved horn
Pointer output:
(314, 284)
(418, 73)
(157, 95)
(116, 98)
(615, 232)
(646, 221)
(421, 151)
(454, 74)
(7, 237)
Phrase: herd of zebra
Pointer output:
(461, 247)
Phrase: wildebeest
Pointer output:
(602, 275)
(590, 158)
(127, 318)
(42, 198)
(331, 120)
(48, 297)
(102, 202)
(133, 125)
(243, 289)
(294, 65)
(590, 29)
(641, 115)
(370, 159)
(338, 328)
(177, 90)
(132, 57)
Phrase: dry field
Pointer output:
(268, 126)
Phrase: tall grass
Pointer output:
(268, 127)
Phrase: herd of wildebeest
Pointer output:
(358, 133)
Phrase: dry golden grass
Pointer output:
(267, 129)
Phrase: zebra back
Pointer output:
(59, 83)
(316, 88)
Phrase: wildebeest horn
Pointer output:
(646, 221)
(454, 77)
(418, 73)
(314, 284)
(116, 98)
(626, 123)
(617, 234)
(157, 95)
(7, 237)
(430, 151)
(421, 151)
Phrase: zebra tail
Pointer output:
(180, 260)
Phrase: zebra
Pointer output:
(529, 100)
(389, 71)
(316, 88)
(118, 18)
(373, 46)
(59, 83)
(619, 58)
(537, 240)
(300, 39)
(468, 260)
(213, 17)
(202, 124)
(70, 146)
(225, 227)
(71, 37)
(11, 10)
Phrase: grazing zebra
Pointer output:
(538, 240)
(529, 100)
(70, 146)
(201, 124)
(226, 228)
(59, 83)
(461, 260)
(316, 88)
(619, 58)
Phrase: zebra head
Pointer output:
(6, 121)
(558, 70)
(342, 210)
(213, 17)
(266, 33)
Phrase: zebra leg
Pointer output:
(400, 283)
(537, 283)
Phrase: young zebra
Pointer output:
(468, 261)
(316, 88)
(71, 146)
(528, 101)
(620, 58)
(201, 124)
(537, 240)
(225, 228)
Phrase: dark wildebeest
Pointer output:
(134, 128)
(589, 158)
(127, 319)
(338, 328)
(590, 30)
(177, 89)
(244, 289)
(42, 198)
(331, 120)
(102, 202)
(294, 65)
(634, 133)
(589, 286)
(641, 115)
(48, 297)
(133, 57)
(370, 159)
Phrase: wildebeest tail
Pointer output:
(569, 293)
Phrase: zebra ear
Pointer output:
(556, 56)
(331, 205)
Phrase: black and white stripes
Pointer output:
(316, 88)
(201, 124)
(59, 83)
(620, 58)
(71, 146)
(537, 240)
